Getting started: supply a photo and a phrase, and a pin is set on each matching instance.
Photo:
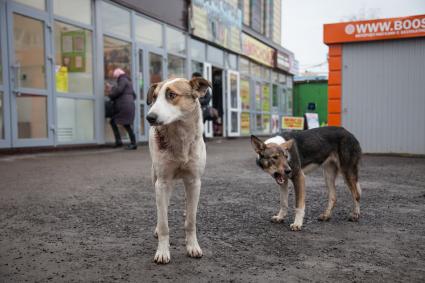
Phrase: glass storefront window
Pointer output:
(39, 4)
(244, 92)
(275, 77)
(265, 73)
(283, 102)
(197, 50)
(245, 123)
(266, 98)
(289, 108)
(233, 90)
(32, 116)
(243, 66)
(256, 70)
(231, 61)
(155, 68)
(148, 31)
(258, 122)
(1, 116)
(115, 20)
(215, 55)
(77, 10)
(29, 52)
(266, 124)
(289, 81)
(257, 96)
(275, 97)
(116, 54)
(176, 67)
(197, 67)
(74, 61)
(75, 120)
(282, 79)
(176, 41)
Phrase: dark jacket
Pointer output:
(205, 100)
(123, 97)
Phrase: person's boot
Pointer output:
(118, 144)
(131, 146)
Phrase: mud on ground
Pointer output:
(89, 216)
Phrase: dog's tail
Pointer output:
(350, 154)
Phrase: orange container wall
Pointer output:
(334, 82)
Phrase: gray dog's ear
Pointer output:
(257, 144)
(288, 145)
(149, 96)
(199, 85)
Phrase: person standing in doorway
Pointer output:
(204, 100)
(123, 97)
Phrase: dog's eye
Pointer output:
(171, 95)
(275, 157)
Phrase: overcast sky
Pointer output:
(302, 23)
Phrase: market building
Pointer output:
(56, 57)
(376, 86)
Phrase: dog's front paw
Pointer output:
(277, 219)
(194, 250)
(324, 217)
(162, 256)
(354, 217)
(295, 226)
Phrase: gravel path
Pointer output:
(90, 215)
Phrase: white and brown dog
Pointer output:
(178, 152)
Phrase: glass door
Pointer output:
(150, 70)
(208, 127)
(233, 104)
(5, 140)
(30, 62)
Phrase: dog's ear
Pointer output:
(288, 145)
(151, 90)
(199, 86)
(257, 144)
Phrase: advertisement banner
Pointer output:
(391, 28)
(217, 21)
(292, 123)
(257, 51)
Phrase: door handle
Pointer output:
(17, 79)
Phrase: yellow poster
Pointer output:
(61, 79)
(245, 130)
(293, 123)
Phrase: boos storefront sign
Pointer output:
(391, 28)
(217, 21)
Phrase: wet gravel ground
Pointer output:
(89, 216)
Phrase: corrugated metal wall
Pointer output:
(383, 95)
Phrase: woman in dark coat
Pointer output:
(123, 98)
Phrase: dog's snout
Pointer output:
(275, 175)
(152, 117)
(288, 171)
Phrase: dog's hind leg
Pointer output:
(283, 190)
(193, 189)
(163, 191)
(351, 180)
(299, 187)
(330, 172)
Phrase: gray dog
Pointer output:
(294, 154)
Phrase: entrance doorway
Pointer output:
(217, 100)
(28, 92)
